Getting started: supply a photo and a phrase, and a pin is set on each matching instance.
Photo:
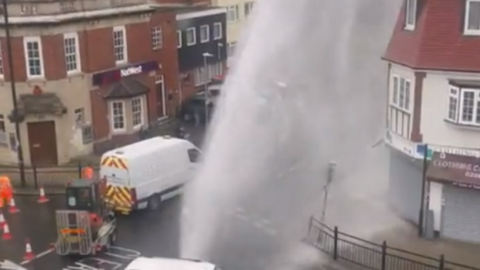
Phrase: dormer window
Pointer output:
(472, 17)
(410, 14)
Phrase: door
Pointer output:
(460, 214)
(161, 100)
(42, 141)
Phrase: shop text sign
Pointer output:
(110, 76)
(459, 169)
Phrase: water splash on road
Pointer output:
(307, 87)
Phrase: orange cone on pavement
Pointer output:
(13, 208)
(6, 232)
(42, 198)
(28, 251)
(2, 220)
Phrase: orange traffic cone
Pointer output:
(13, 208)
(2, 220)
(6, 232)
(28, 251)
(42, 198)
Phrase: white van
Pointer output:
(143, 263)
(143, 174)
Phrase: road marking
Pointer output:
(270, 231)
(39, 255)
(131, 254)
(240, 210)
(265, 221)
(241, 216)
(257, 224)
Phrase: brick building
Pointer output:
(88, 74)
(434, 114)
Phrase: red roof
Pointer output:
(437, 42)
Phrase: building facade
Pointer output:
(202, 54)
(238, 12)
(88, 75)
(434, 114)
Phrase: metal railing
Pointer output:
(349, 248)
(44, 176)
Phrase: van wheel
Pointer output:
(154, 202)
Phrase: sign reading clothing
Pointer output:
(110, 76)
(458, 169)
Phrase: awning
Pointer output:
(462, 170)
(126, 88)
(45, 103)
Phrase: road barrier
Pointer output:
(369, 255)
(44, 176)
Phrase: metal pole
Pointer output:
(330, 176)
(421, 214)
(205, 66)
(21, 165)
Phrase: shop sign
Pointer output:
(458, 169)
(114, 75)
(399, 143)
(420, 151)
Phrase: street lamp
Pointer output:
(330, 177)
(206, 55)
(21, 165)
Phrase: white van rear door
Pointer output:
(115, 170)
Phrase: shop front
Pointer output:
(454, 196)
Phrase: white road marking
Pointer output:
(265, 221)
(39, 255)
(270, 231)
(241, 216)
(257, 224)
(240, 210)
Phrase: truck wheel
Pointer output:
(154, 202)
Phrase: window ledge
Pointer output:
(461, 126)
(409, 27)
(471, 32)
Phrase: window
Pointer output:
(232, 14)
(231, 48)
(464, 106)
(33, 56)
(216, 69)
(179, 39)
(71, 49)
(472, 17)
(191, 36)
(248, 8)
(204, 33)
(120, 44)
(137, 112)
(2, 123)
(87, 134)
(117, 114)
(401, 90)
(157, 39)
(194, 155)
(410, 14)
(453, 104)
(79, 115)
(201, 76)
(217, 31)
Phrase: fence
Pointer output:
(342, 246)
(44, 176)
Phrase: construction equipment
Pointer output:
(87, 225)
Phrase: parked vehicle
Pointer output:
(196, 105)
(143, 174)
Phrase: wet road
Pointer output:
(142, 233)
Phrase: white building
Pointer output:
(237, 14)
(434, 100)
